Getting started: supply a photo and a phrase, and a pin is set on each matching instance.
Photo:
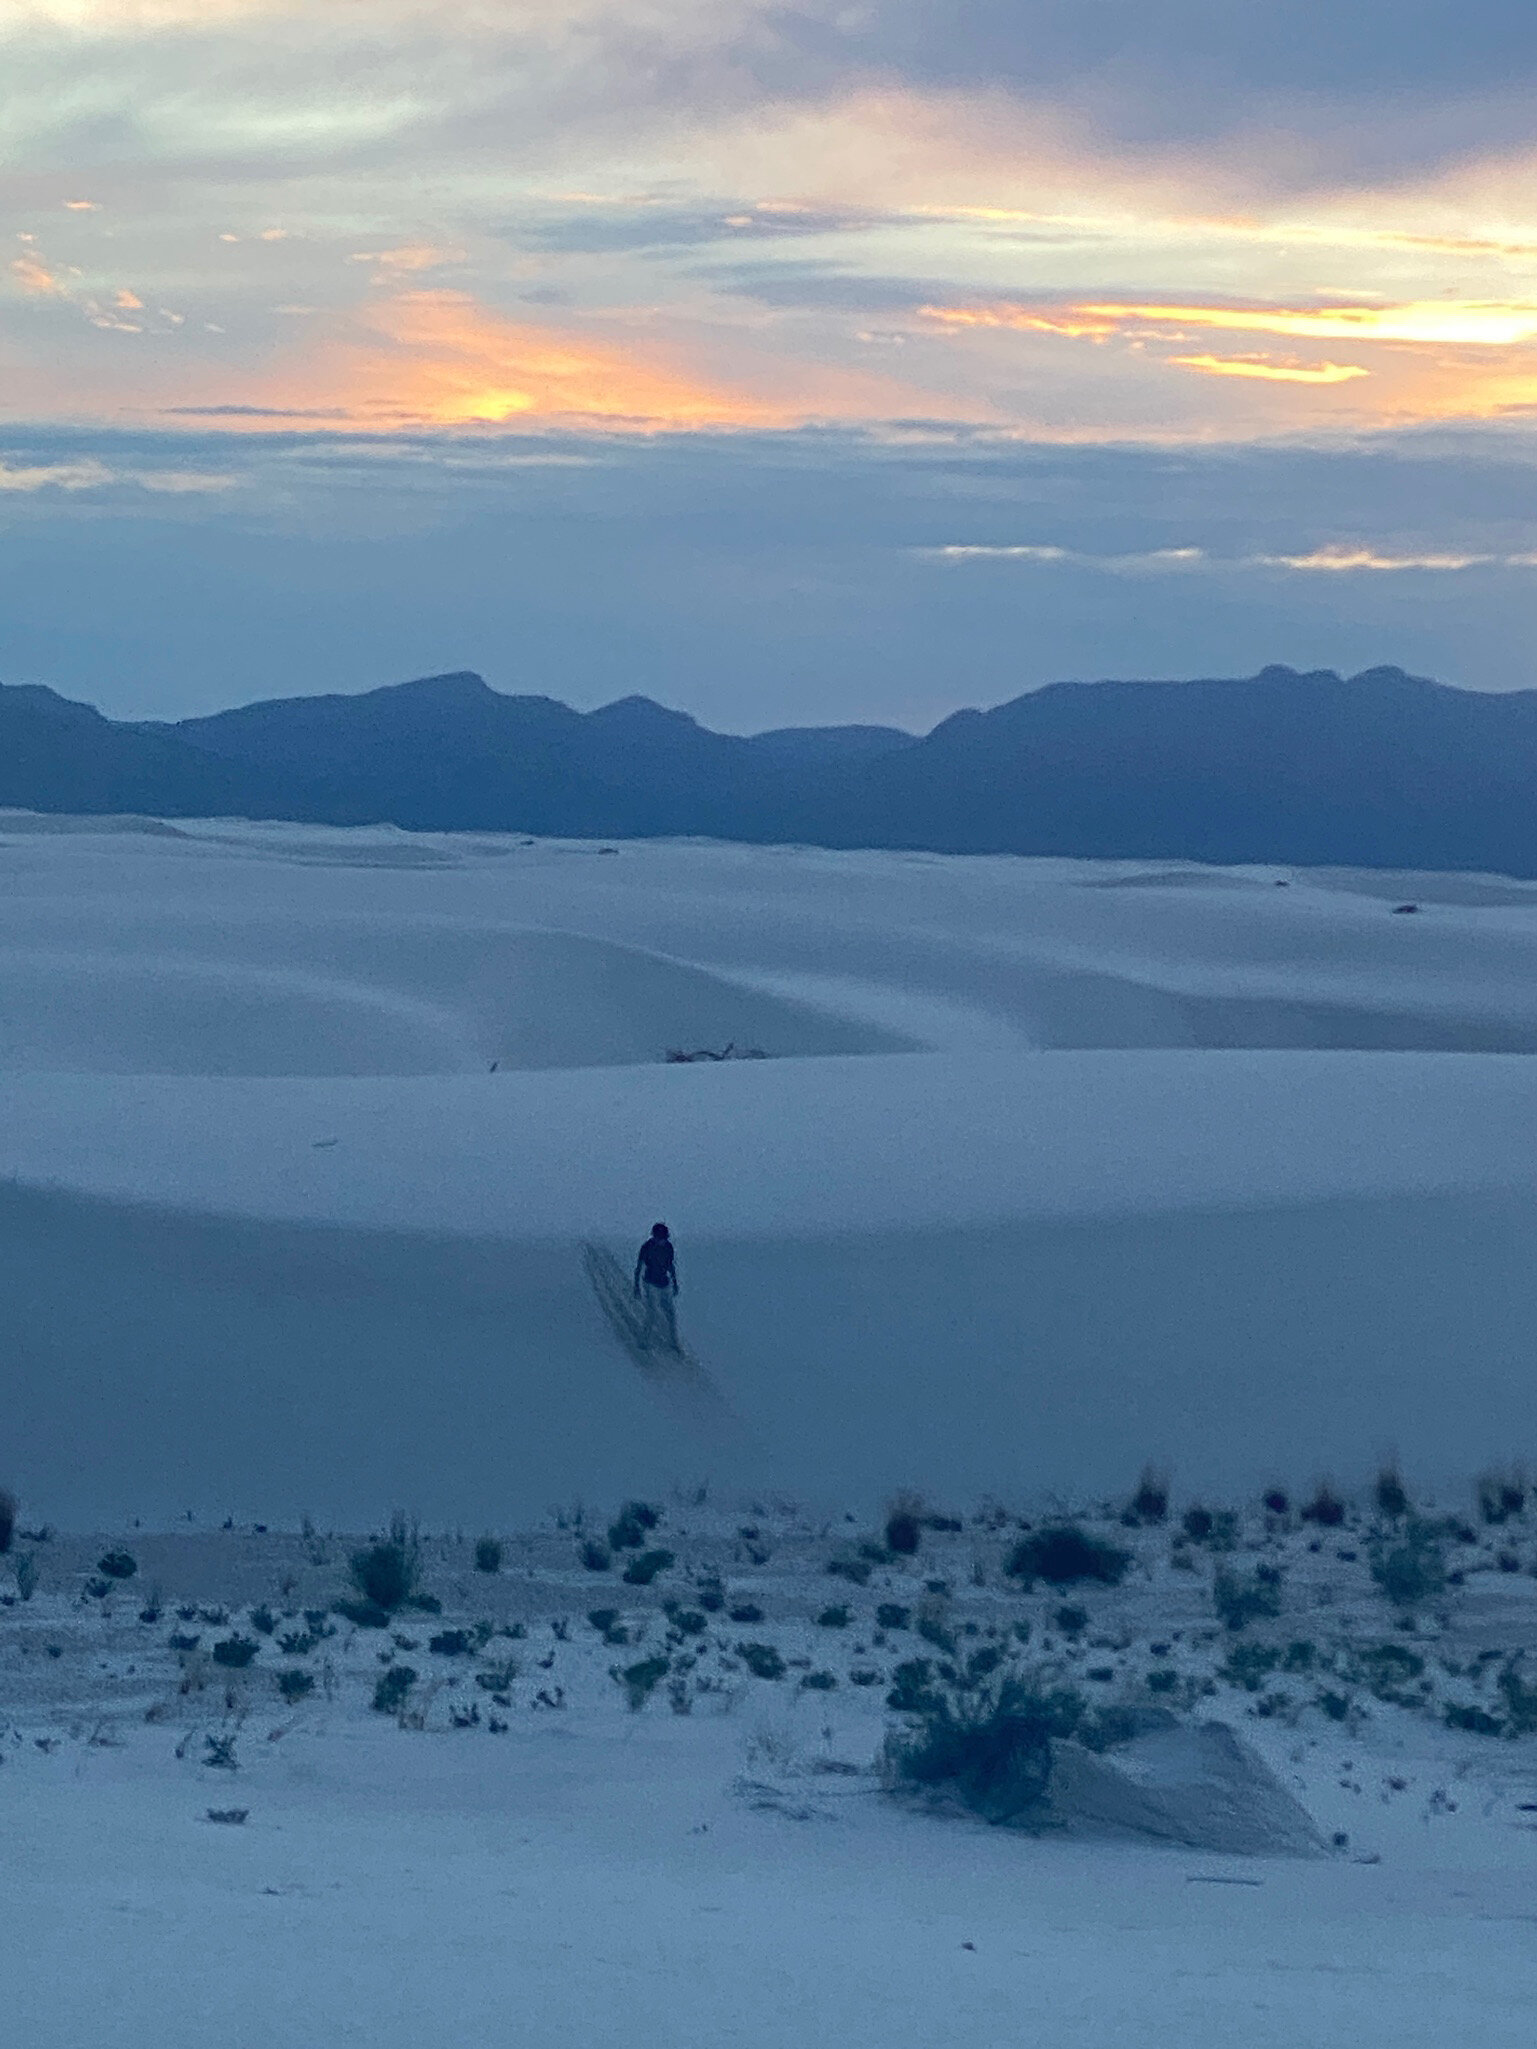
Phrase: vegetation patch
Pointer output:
(1065, 1555)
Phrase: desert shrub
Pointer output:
(97, 1589)
(393, 1687)
(1501, 1496)
(488, 1555)
(1150, 1503)
(595, 1557)
(229, 1817)
(602, 1619)
(1065, 1555)
(1300, 1657)
(628, 1530)
(855, 1570)
(451, 1643)
(687, 1621)
(1239, 1600)
(385, 1574)
(219, 1751)
(296, 1683)
(1071, 1620)
(933, 1628)
(1413, 1572)
(1163, 1679)
(365, 1614)
(762, 1660)
(640, 1681)
(746, 1611)
(711, 1596)
(1334, 1704)
(989, 1746)
(235, 1651)
(1476, 1720)
(641, 1571)
(1276, 1501)
(1388, 1669)
(182, 1642)
(819, 1682)
(833, 1618)
(263, 1621)
(118, 1565)
(1390, 1493)
(1326, 1508)
(1248, 1664)
(26, 1574)
(1198, 1523)
(1520, 1700)
(497, 1679)
(904, 1529)
(7, 1520)
(891, 1615)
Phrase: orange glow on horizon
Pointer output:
(1277, 373)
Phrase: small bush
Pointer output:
(1412, 1572)
(7, 1520)
(182, 1643)
(118, 1565)
(1065, 1555)
(488, 1555)
(762, 1660)
(1276, 1501)
(1071, 1620)
(1473, 1719)
(451, 1643)
(235, 1651)
(819, 1682)
(990, 1748)
(628, 1530)
(1163, 1680)
(296, 1683)
(391, 1692)
(1240, 1601)
(641, 1571)
(98, 1589)
(712, 1596)
(1248, 1664)
(26, 1574)
(891, 1615)
(904, 1529)
(1390, 1494)
(1198, 1523)
(263, 1621)
(1500, 1496)
(746, 1611)
(1326, 1508)
(833, 1618)
(365, 1614)
(386, 1574)
(595, 1557)
(1520, 1701)
(640, 1681)
(1150, 1503)
(855, 1570)
(687, 1621)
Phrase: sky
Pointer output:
(790, 363)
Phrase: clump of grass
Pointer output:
(762, 1660)
(394, 1687)
(1276, 1501)
(452, 1643)
(1240, 1600)
(1390, 1493)
(1326, 1508)
(833, 1618)
(818, 1682)
(1150, 1503)
(118, 1565)
(26, 1574)
(746, 1611)
(263, 1621)
(987, 1745)
(1249, 1664)
(488, 1555)
(7, 1520)
(595, 1557)
(904, 1526)
(295, 1683)
(1412, 1572)
(1065, 1555)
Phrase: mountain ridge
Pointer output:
(1379, 769)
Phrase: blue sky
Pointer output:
(786, 362)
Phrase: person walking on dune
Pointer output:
(656, 1266)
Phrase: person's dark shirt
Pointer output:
(656, 1262)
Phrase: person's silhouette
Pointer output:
(656, 1268)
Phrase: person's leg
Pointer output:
(648, 1323)
(670, 1314)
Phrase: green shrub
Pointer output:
(118, 1565)
(628, 1530)
(833, 1618)
(1065, 1555)
(904, 1531)
(7, 1520)
(989, 1747)
(819, 1682)
(235, 1651)
(1520, 1700)
(1163, 1679)
(1239, 1600)
(855, 1570)
(1071, 1620)
(745, 1611)
(1473, 1719)
(1249, 1664)
(762, 1660)
(1326, 1508)
(488, 1555)
(263, 1621)
(1412, 1572)
(891, 1615)
(1390, 1494)
(594, 1557)
(641, 1571)
(365, 1614)
(451, 1643)
(385, 1574)
(640, 1681)
(1501, 1496)
(26, 1574)
(295, 1684)
(392, 1689)
(1150, 1503)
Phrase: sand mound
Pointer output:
(1196, 1785)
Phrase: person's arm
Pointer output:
(637, 1273)
(675, 1273)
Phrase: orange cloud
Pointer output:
(1476, 323)
(1262, 367)
(35, 278)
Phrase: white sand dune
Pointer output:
(1043, 1177)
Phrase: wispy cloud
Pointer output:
(1267, 370)
(1334, 558)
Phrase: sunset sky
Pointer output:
(788, 363)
